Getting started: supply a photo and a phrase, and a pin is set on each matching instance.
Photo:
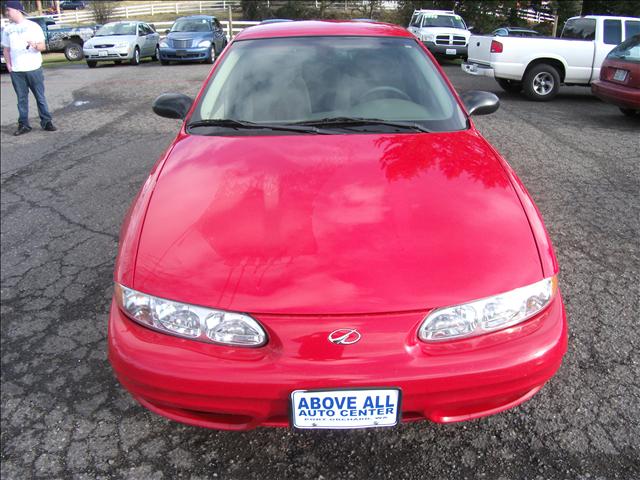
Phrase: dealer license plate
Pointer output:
(358, 408)
(450, 51)
(620, 75)
(103, 53)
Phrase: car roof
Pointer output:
(196, 16)
(318, 28)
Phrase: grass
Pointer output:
(55, 60)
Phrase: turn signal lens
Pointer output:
(489, 314)
(190, 321)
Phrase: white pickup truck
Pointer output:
(538, 65)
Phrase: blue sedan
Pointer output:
(193, 38)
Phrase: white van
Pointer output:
(442, 32)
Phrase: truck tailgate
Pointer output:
(480, 49)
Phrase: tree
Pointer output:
(102, 10)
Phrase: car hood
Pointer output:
(102, 40)
(336, 224)
(445, 31)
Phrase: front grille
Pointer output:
(459, 40)
(106, 45)
(182, 43)
(443, 40)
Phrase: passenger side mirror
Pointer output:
(172, 105)
(480, 103)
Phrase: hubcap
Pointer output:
(543, 83)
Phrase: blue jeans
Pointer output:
(34, 81)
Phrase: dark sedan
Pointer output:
(619, 82)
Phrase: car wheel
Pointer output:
(629, 112)
(136, 57)
(541, 83)
(73, 52)
(92, 63)
(509, 85)
(212, 55)
(156, 56)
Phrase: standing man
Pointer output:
(23, 40)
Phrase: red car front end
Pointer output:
(341, 248)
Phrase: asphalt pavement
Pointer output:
(64, 195)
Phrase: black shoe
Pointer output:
(49, 127)
(22, 129)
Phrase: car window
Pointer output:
(631, 28)
(286, 80)
(580, 29)
(450, 21)
(501, 32)
(415, 20)
(191, 25)
(612, 34)
(629, 50)
(117, 28)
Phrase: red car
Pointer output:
(330, 243)
(619, 82)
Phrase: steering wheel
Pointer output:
(384, 88)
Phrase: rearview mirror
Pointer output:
(480, 103)
(172, 105)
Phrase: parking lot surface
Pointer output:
(64, 195)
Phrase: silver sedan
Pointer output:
(122, 41)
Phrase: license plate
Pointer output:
(450, 51)
(103, 53)
(620, 75)
(181, 53)
(340, 409)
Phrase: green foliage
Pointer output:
(102, 10)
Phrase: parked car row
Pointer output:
(192, 38)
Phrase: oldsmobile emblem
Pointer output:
(344, 336)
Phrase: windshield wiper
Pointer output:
(346, 122)
(242, 124)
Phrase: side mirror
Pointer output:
(471, 28)
(167, 31)
(480, 103)
(172, 105)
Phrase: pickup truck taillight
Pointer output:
(496, 47)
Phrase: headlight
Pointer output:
(189, 321)
(121, 45)
(163, 44)
(489, 314)
(429, 37)
(204, 44)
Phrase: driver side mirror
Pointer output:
(480, 103)
(172, 105)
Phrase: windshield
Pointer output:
(448, 21)
(192, 25)
(307, 79)
(117, 28)
(628, 50)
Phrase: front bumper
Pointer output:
(184, 54)
(240, 388)
(619, 95)
(107, 54)
(447, 50)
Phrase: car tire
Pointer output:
(212, 54)
(629, 112)
(92, 63)
(541, 83)
(509, 85)
(73, 52)
(156, 56)
(135, 60)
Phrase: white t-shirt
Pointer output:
(15, 37)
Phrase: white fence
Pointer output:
(150, 9)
